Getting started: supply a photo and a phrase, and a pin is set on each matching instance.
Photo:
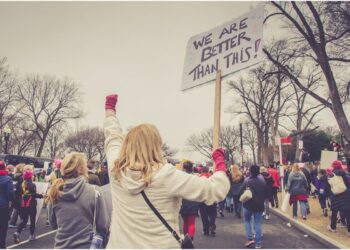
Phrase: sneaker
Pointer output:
(342, 225)
(12, 226)
(16, 237)
(249, 243)
(31, 237)
(212, 232)
(263, 214)
(304, 218)
(221, 213)
(330, 229)
(267, 217)
(257, 246)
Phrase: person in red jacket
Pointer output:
(276, 184)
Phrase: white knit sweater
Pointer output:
(134, 225)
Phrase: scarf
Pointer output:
(3, 172)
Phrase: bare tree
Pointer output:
(8, 107)
(48, 102)
(263, 101)
(250, 139)
(55, 142)
(320, 42)
(168, 153)
(87, 140)
(203, 142)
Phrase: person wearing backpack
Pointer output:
(340, 195)
(75, 207)
(254, 207)
(27, 204)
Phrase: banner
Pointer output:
(327, 158)
(230, 47)
(41, 188)
(286, 140)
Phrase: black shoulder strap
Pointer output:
(155, 211)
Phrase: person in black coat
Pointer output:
(269, 190)
(308, 176)
(6, 196)
(255, 206)
(103, 175)
(189, 209)
(339, 202)
(28, 205)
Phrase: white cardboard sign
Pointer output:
(327, 158)
(230, 47)
(41, 188)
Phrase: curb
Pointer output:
(328, 242)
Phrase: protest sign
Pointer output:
(41, 188)
(327, 158)
(230, 47)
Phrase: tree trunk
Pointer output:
(41, 146)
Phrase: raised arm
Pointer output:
(201, 189)
(112, 130)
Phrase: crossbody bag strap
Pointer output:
(160, 217)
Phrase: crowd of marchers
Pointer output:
(146, 197)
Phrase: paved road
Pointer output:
(230, 234)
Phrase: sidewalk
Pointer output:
(318, 222)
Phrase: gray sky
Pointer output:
(135, 49)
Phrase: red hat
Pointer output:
(337, 165)
(2, 165)
(58, 163)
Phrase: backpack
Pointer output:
(26, 197)
(337, 184)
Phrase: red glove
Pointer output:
(111, 101)
(219, 159)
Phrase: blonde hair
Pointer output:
(295, 168)
(73, 166)
(141, 151)
(236, 174)
(28, 167)
(263, 170)
(19, 168)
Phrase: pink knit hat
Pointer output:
(58, 163)
(337, 165)
(27, 175)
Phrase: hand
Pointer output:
(219, 159)
(111, 101)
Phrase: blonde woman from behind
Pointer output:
(136, 164)
(72, 205)
(236, 183)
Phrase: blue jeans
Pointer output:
(247, 218)
(303, 206)
(229, 201)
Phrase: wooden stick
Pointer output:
(217, 110)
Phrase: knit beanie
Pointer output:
(337, 165)
(27, 175)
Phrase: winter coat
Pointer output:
(340, 201)
(134, 225)
(275, 177)
(269, 184)
(93, 179)
(308, 176)
(297, 184)
(236, 186)
(28, 194)
(189, 208)
(104, 178)
(6, 190)
(17, 188)
(321, 186)
(73, 213)
(258, 188)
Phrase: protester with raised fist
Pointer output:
(140, 178)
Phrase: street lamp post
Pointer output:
(7, 133)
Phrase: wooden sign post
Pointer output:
(217, 110)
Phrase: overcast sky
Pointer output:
(135, 49)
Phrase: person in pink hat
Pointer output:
(28, 205)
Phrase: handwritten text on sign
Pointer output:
(230, 47)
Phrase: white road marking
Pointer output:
(37, 237)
